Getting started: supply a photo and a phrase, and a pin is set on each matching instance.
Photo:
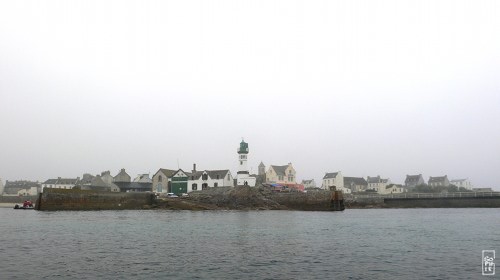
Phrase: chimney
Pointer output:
(194, 167)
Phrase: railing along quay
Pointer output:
(426, 195)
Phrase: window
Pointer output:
(204, 186)
(228, 177)
(159, 178)
(217, 176)
(194, 187)
(204, 177)
(216, 184)
(241, 162)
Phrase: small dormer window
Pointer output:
(204, 177)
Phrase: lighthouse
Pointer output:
(243, 177)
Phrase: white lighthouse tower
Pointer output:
(243, 177)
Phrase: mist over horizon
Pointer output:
(389, 88)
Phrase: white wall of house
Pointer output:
(30, 191)
(462, 183)
(251, 181)
(392, 189)
(338, 181)
(58, 186)
(226, 181)
(288, 178)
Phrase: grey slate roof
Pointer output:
(62, 181)
(217, 173)
(211, 173)
(280, 169)
(167, 172)
(413, 178)
(358, 181)
(50, 181)
(393, 185)
(437, 179)
(330, 175)
(307, 181)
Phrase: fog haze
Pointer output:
(370, 88)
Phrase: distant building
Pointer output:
(440, 181)
(462, 183)
(414, 180)
(281, 174)
(162, 180)
(1, 186)
(107, 178)
(243, 177)
(392, 189)
(355, 184)
(202, 180)
(143, 178)
(262, 169)
(100, 183)
(61, 183)
(309, 183)
(86, 179)
(377, 184)
(334, 179)
(97, 184)
(180, 182)
(16, 187)
(122, 177)
(134, 186)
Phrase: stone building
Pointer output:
(122, 177)
(440, 181)
(414, 180)
(377, 184)
(355, 184)
(162, 180)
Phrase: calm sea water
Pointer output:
(354, 244)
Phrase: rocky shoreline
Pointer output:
(247, 198)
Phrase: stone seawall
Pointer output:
(61, 199)
(443, 202)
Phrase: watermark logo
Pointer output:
(488, 262)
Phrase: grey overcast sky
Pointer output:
(366, 87)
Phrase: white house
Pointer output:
(392, 188)
(201, 180)
(334, 179)
(462, 183)
(377, 184)
(309, 183)
(60, 183)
